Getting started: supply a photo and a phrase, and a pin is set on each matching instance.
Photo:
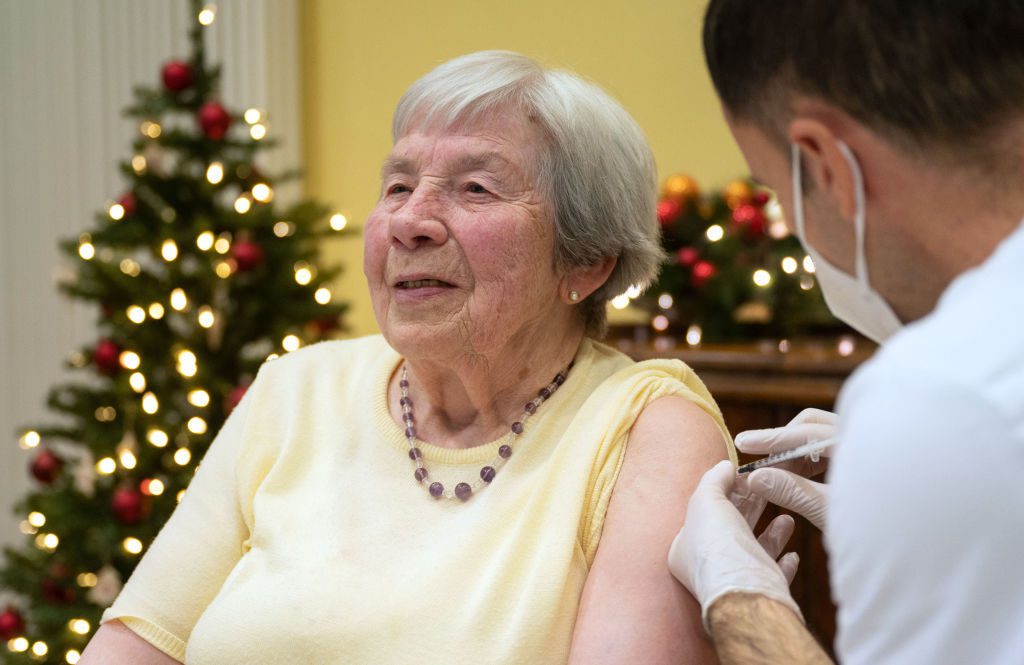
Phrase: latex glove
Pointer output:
(779, 485)
(716, 553)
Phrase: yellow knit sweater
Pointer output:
(304, 537)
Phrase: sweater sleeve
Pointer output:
(194, 553)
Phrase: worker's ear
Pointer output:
(823, 162)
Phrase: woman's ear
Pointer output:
(824, 164)
(585, 280)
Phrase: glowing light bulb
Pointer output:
(620, 301)
(182, 456)
(633, 292)
(806, 282)
(809, 264)
(18, 645)
(207, 15)
(29, 439)
(180, 496)
(273, 356)
(179, 300)
(789, 265)
(156, 310)
(187, 363)
(262, 192)
(136, 314)
(130, 360)
(715, 232)
(150, 404)
(128, 459)
(660, 323)
(303, 273)
(762, 278)
(80, 626)
(157, 437)
(242, 204)
(132, 545)
(86, 580)
(86, 249)
(215, 173)
(50, 541)
(206, 317)
(72, 656)
(665, 300)
(199, 397)
(223, 244)
(258, 131)
(283, 229)
(223, 269)
(204, 241)
(252, 116)
(322, 295)
(169, 250)
(130, 267)
(36, 519)
(339, 222)
(139, 164)
(150, 129)
(27, 528)
(694, 335)
(40, 649)
(106, 466)
(156, 487)
(116, 212)
(197, 425)
(291, 343)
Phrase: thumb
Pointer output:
(792, 492)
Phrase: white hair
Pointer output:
(597, 171)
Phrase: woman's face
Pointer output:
(458, 252)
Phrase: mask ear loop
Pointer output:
(798, 193)
(859, 222)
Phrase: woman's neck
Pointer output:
(473, 399)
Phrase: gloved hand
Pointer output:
(781, 486)
(716, 553)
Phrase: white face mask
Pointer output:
(850, 299)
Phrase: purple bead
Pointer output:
(517, 427)
(420, 474)
(415, 454)
(463, 491)
(544, 393)
(410, 432)
(531, 408)
(559, 379)
(403, 383)
(487, 473)
(505, 451)
(407, 417)
(405, 401)
(436, 490)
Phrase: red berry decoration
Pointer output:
(128, 505)
(702, 272)
(687, 256)
(214, 120)
(46, 467)
(177, 75)
(750, 218)
(107, 357)
(12, 624)
(669, 211)
(128, 203)
(234, 397)
(247, 254)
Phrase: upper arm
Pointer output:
(632, 609)
(115, 644)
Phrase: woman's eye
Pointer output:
(398, 188)
(476, 188)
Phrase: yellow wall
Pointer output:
(360, 55)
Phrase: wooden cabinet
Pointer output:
(761, 385)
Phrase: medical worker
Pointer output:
(893, 133)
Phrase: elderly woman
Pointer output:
(483, 482)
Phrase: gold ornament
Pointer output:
(681, 188)
(738, 193)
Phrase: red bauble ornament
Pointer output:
(177, 75)
(12, 624)
(107, 357)
(128, 505)
(247, 254)
(234, 397)
(127, 202)
(669, 211)
(687, 256)
(214, 120)
(760, 198)
(46, 466)
(55, 592)
(750, 218)
(702, 272)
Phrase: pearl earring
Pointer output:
(574, 295)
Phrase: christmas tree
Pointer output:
(199, 277)
(733, 272)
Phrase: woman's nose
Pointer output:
(421, 221)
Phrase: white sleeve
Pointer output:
(926, 524)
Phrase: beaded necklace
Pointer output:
(463, 491)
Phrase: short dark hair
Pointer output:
(923, 73)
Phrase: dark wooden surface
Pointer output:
(758, 386)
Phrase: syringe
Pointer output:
(812, 449)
